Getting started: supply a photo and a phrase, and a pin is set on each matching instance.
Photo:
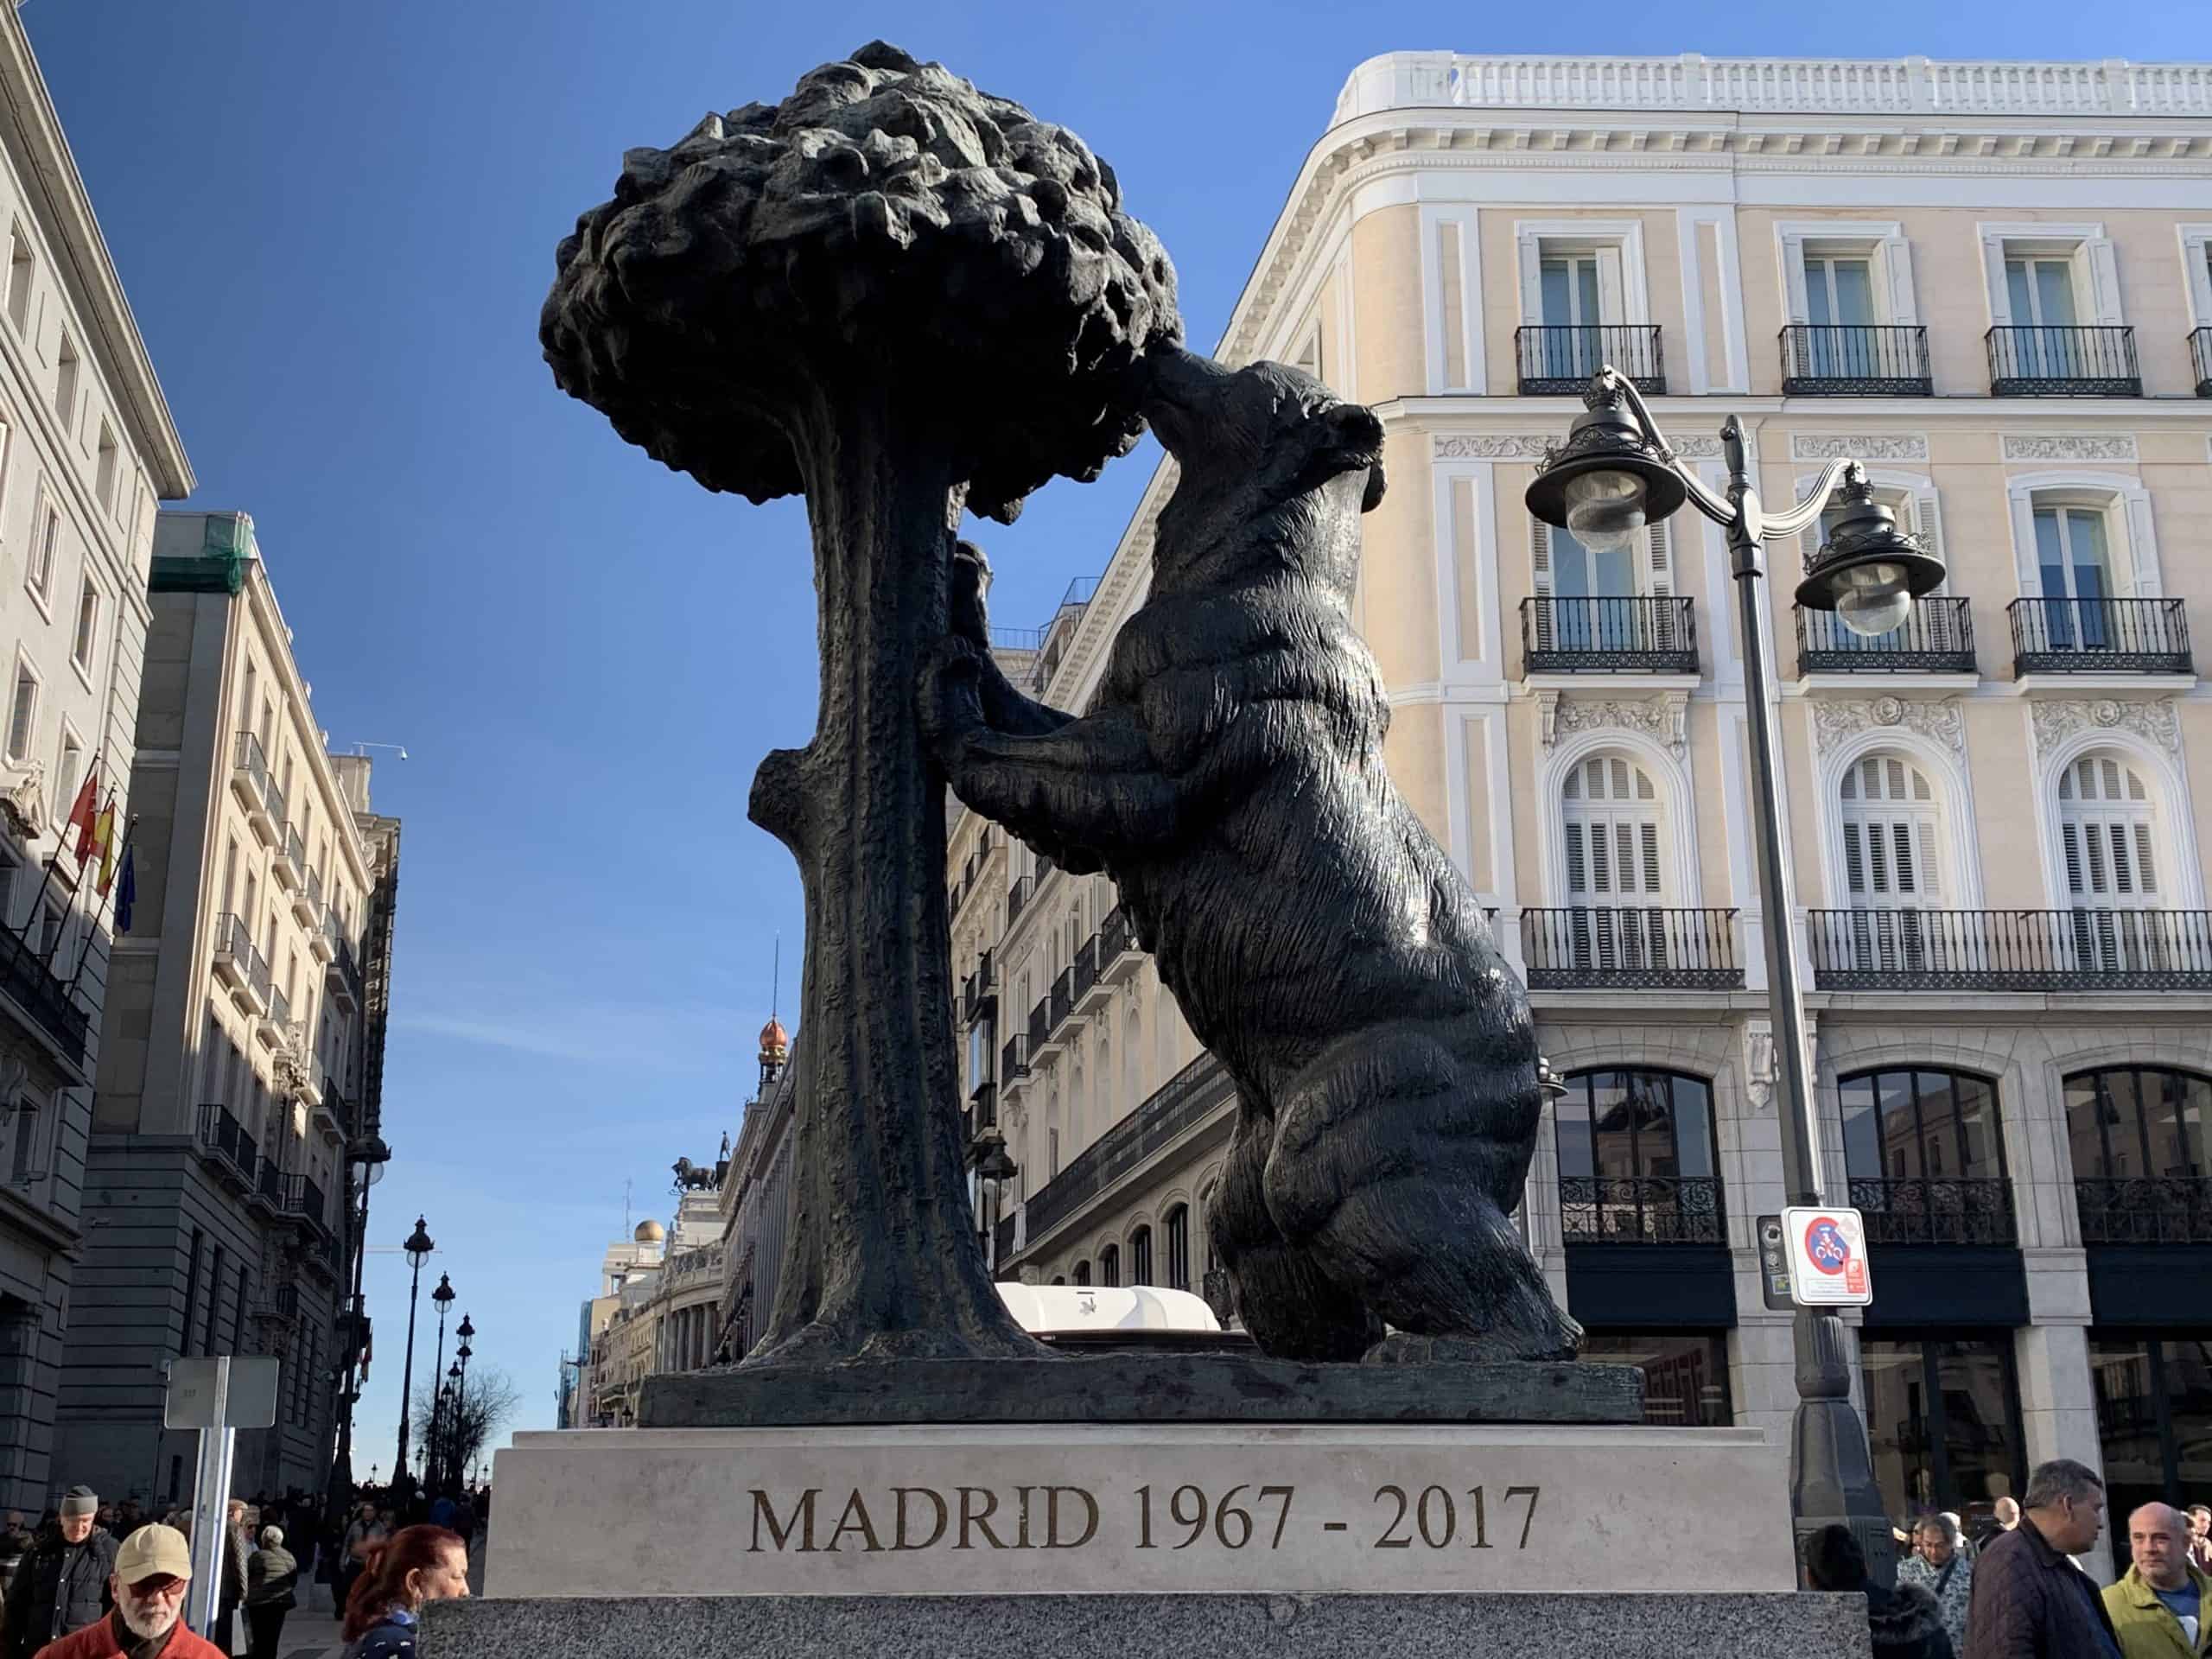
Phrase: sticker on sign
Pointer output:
(1827, 1256)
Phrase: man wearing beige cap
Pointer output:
(153, 1572)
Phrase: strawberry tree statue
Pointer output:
(900, 297)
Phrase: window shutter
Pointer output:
(1927, 860)
(1878, 857)
(1650, 858)
(1927, 525)
(1897, 259)
(1659, 560)
(1901, 834)
(1600, 874)
(1540, 556)
(2146, 877)
(1577, 872)
(1854, 862)
(2123, 878)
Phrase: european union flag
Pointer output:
(126, 890)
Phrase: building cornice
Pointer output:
(33, 131)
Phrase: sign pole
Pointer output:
(210, 1497)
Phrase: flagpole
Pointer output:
(46, 956)
(122, 852)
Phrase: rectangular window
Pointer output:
(88, 626)
(1943, 1423)
(214, 1301)
(8, 868)
(65, 779)
(21, 264)
(191, 1289)
(22, 714)
(40, 576)
(104, 475)
(1685, 1375)
(24, 1168)
(65, 384)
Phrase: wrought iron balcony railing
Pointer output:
(1063, 998)
(1040, 1023)
(979, 993)
(1642, 1210)
(1017, 896)
(269, 1183)
(1085, 970)
(2200, 359)
(303, 1198)
(2012, 949)
(1002, 1238)
(1557, 359)
(1014, 1058)
(1863, 359)
(1184, 1101)
(1937, 638)
(1114, 937)
(2099, 636)
(31, 980)
(224, 1138)
(1641, 635)
(2145, 1209)
(1586, 947)
(2075, 361)
(1934, 1212)
(984, 1097)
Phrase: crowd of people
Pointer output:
(2016, 1589)
(100, 1580)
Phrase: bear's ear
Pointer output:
(1349, 438)
(1373, 496)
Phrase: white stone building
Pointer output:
(86, 449)
(1991, 282)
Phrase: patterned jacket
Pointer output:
(1952, 1586)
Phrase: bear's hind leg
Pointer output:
(1387, 1165)
(1292, 1310)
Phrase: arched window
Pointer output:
(1109, 1265)
(1177, 1226)
(1082, 1273)
(1206, 1201)
(1140, 1257)
(2108, 829)
(1891, 820)
(1635, 1160)
(2141, 1158)
(1925, 1154)
(1612, 815)
(1061, 1279)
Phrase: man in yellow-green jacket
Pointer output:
(2162, 1608)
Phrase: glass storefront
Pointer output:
(1943, 1420)
(1635, 1161)
(2154, 1417)
(1685, 1375)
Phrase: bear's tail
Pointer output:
(1292, 1311)
(1395, 1164)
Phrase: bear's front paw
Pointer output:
(948, 696)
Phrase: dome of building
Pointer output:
(650, 1232)
(774, 1039)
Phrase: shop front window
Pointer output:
(1685, 1375)
(1943, 1422)
(2154, 1417)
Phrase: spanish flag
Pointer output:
(81, 815)
(103, 838)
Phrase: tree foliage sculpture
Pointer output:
(899, 296)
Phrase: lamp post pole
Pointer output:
(1615, 472)
(418, 1248)
(442, 1296)
(466, 1330)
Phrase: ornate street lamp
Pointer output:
(1615, 474)
(465, 1330)
(418, 1248)
(442, 1296)
(996, 1167)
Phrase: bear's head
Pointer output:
(1259, 445)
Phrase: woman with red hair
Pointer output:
(399, 1573)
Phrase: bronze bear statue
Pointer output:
(1229, 776)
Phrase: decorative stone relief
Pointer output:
(1939, 722)
(2070, 446)
(1858, 446)
(1699, 446)
(1664, 717)
(1758, 1066)
(1461, 446)
(2152, 720)
(22, 803)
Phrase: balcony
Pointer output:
(2200, 360)
(983, 1099)
(979, 993)
(1040, 1024)
(303, 1201)
(1119, 957)
(288, 869)
(1187, 1100)
(1558, 360)
(35, 988)
(256, 790)
(1092, 991)
(1643, 635)
(341, 975)
(268, 1186)
(2099, 636)
(307, 904)
(2063, 362)
(1013, 1059)
(1642, 1210)
(2012, 949)
(1586, 948)
(223, 1140)
(2145, 1209)
(282, 1306)
(1059, 1005)
(1855, 360)
(1934, 1212)
(274, 1026)
(240, 966)
(1936, 638)
(1017, 896)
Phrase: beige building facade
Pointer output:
(240, 1057)
(87, 448)
(1992, 283)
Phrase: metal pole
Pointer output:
(1831, 1474)
(211, 1498)
(407, 1375)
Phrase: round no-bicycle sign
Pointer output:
(1828, 1250)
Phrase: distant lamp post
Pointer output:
(442, 1296)
(418, 1248)
(1614, 475)
(996, 1167)
(465, 1330)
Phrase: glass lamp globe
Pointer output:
(1605, 508)
(1873, 599)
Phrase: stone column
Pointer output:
(2058, 1412)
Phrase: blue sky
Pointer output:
(336, 225)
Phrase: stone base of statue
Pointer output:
(1124, 1539)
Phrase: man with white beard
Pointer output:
(153, 1571)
